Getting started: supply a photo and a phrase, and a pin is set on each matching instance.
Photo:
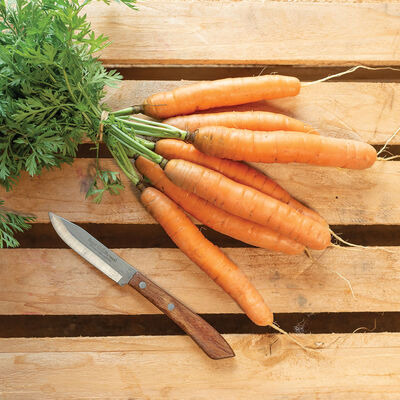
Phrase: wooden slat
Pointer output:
(266, 366)
(249, 32)
(63, 191)
(355, 110)
(44, 281)
(343, 197)
(370, 109)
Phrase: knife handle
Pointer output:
(208, 339)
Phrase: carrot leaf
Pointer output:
(104, 181)
(10, 223)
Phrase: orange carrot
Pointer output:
(248, 203)
(222, 92)
(252, 120)
(206, 255)
(237, 171)
(214, 217)
(278, 147)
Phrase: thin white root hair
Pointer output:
(314, 261)
(339, 239)
(348, 71)
(308, 254)
(387, 142)
(343, 338)
(280, 330)
(388, 158)
(347, 281)
(262, 71)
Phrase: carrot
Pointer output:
(222, 92)
(248, 203)
(217, 219)
(206, 255)
(252, 120)
(237, 171)
(278, 147)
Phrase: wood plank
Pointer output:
(356, 110)
(63, 191)
(344, 367)
(343, 197)
(370, 109)
(209, 32)
(44, 281)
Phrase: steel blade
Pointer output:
(92, 250)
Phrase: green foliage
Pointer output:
(104, 181)
(10, 222)
(51, 88)
(51, 85)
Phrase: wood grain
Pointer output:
(343, 197)
(44, 281)
(366, 111)
(208, 339)
(355, 110)
(62, 191)
(213, 32)
(266, 366)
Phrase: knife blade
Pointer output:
(108, 262)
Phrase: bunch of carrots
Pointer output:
(196, 165)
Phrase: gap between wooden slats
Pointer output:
(95, 325)
(210, 72)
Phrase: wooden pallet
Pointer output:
(48, 293)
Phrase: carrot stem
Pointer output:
(146, 143)
(128, 111)
(134, 145)
(151, 128)
(120, 156)
(149, 133)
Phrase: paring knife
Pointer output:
(208, 339)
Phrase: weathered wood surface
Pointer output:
(58, 281)
(44, 281)
(266, 366)
(367, 111)
(250, 32)
(342, 196)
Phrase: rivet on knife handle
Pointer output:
(197, 328)
(121, 272)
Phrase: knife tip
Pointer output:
(53, 217)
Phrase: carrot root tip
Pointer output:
(340, 240)
(290, 337)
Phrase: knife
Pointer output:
(207, 338)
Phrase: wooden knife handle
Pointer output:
(209, 340)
